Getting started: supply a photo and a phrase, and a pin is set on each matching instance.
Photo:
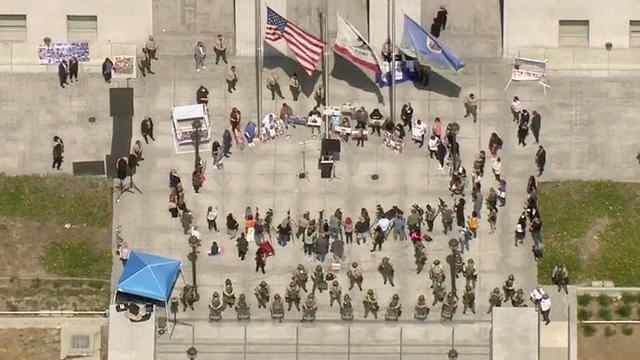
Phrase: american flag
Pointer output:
(306, 48)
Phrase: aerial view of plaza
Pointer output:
(319, 179)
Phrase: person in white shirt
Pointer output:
(124, 252)
(536, 295)
(417, 132)
(199, 55)
(433, 147)
(212, 215)
(516, 108)
(497, 168)
(545, 308)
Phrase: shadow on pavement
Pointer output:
(274, 59)
(439, 84)
(354, 76)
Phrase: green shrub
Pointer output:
(604, 300)
(584, 314)
(11, 306)
(604, 314)
(98, 285)
(589, 330)
(624, 311)
(584, 299)
(627, 330)
(609, 331)
(629, 298)
(35, 283)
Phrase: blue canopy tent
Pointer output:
(150, 276)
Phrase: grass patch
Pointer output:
(624, 311)
(76, 258)
(584, 299)
(604, 314)
(588, 330)
(592, 228)
(629, 298)
(56, 198)
(627, 330)
(584, 314)
(609, 331)
(604, 300)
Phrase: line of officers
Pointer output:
(320, 282)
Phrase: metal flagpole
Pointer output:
(393, 60)
(259, 54)
(325, 59)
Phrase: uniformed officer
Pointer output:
(300, 277)
(420, 256)
(335, 292)
(355, 276)
(436, 273)
(439, 292)
(469, 299)
(346, 309)
(370, 304)
(216, 306)
(471, 273)
(262, 294)
(449, 306)
(421, 309)
(519, 299)
(228, 295)
(309, 308)
(509, 288)
(495, 299)
(394, 309)
(292, 296)
(319, 280)
(242, 308)
(386, 269)
(560, 277)
(277, 308)
(188, 296)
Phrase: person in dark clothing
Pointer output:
(535, 125)
(406, 114)
(146, 129)
(435, 28)
(541, 159)
(58, 150)
(202, 95)
(73, 69)
(63, 72)
(107, 67)
(361, 138)
(399, 128)
(375, 116)
(378, 239)
(523, 130)
(459, 209)
(260, 263)
(441, 153)
(145, 63)
(243, 245)
(441, 17)
(226, 143)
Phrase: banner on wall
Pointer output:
(124, 66)
(55, 53)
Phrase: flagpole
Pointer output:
(325, 57)
(392, 5)
(259, 54)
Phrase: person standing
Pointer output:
(243, 245)
(560, 277)
(294, 86)
(63, 72)
(523, 128)
(199, 54)
(202, 95)
(471, 104)
(435, 28)
(545, 308)
(497, 168)
(73, 69)
(274, 86)
(212, 215)
(418, 131)
(541, 159)
(535, 125)
(319, 96)
(260, 260)
(406, 114)
(234, 119)
(441, 17)
(57, 152)
(107, 67)
(146, 128)
(386, 51)
(220, 48)
(232, 79)
(145, 63)
(516, 108)
(150, 45)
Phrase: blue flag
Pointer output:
(419, 43)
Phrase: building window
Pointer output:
(13, 27)
(574, 33)
(82, 28)
(634, 33)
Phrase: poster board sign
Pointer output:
(55, 53)
(404, 71)
(124, 67)
(524, 69)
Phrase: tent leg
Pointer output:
(509, 83)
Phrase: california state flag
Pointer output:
(350, 44)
